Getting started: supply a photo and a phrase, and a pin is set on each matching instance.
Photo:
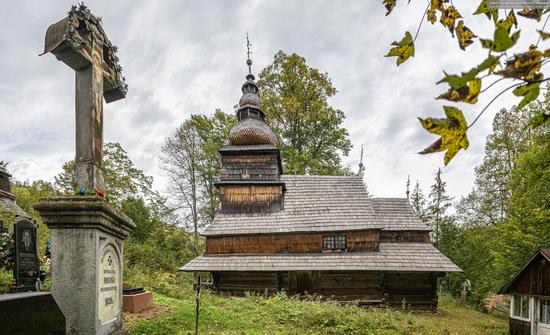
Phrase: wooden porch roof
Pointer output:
(398, 257)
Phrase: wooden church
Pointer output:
(317, 235)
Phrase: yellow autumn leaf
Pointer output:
(448, 17)
(524, 65)
(531, 13)
(431, 16)
(452, 131)
(403, 49)
(467, 93)
(438, 5)
(510, 21)
(544, 35)
(484, 8)
(390, 5)
(464, 35)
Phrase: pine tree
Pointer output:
(439, 202)
(418, 201)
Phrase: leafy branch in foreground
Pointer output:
(523, 68)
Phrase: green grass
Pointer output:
(280, 314)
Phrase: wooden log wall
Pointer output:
(238, 283)
(417, 290)
(405, 236)
(365, 287)
(367, 240)
(251, 198)
(535, 279)
(368, 288)
(519, 327)
(262, 167)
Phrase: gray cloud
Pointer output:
(184, 57)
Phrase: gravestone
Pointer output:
(27, 264)
(87, 233)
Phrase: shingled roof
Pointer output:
(402, 257)
(396, 214)
(322, 203)
(311, 203)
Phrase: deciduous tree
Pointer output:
(310, 132)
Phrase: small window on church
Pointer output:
(399, 236)
(328, 242)
(332, 242)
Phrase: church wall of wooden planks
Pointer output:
(311, 235)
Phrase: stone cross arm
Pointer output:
(79, 41)
(73, 39)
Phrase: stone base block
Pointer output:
(135, 303)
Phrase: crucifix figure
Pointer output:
(79, 41)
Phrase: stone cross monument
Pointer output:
(80, 42)
(87, 233)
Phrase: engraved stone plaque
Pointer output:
(109, 285)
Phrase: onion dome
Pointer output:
(251, 128)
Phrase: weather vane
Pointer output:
(248, 52)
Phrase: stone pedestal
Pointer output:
(87, 261)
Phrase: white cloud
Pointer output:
(188, 57)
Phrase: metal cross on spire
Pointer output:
(248, 52)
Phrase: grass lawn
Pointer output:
(285, 315)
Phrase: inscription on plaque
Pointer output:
(109, 285)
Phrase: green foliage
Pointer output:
(122, 179)
(29, 193)
(213, 132)
(6, 278)
(505, 217)
(529, 207)
(295, 101)
(487, 203)
(7, 251)
(280, 314)
(155, 251)
(137, 210)
(190, 159)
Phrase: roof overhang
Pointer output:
(395, 257)
(506, 288)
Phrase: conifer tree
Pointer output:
(439, 203)
(418, 201)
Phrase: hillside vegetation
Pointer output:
(281, 314)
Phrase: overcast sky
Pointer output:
(184, 57)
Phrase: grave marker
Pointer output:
(27, 264)
(87, 233)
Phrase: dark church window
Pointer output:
(399, 236)
(332, 242)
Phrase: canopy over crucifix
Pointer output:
(79, 41)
